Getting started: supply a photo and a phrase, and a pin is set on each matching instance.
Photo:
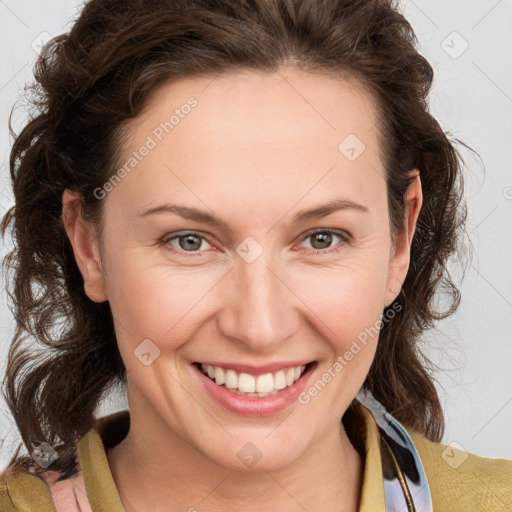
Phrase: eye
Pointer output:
(187, 242)
(323, 238)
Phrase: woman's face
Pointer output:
(256, 291)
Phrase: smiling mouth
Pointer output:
(246, 384)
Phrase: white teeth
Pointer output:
(290, 376)
(279, 380)
(249, 385)
(231, 379)
(246, 383)
(219, 376)
(265, 383)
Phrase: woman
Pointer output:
(241, 211)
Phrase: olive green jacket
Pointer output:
(458, 481)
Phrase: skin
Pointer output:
(257, 149)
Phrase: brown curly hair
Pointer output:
(91, 81)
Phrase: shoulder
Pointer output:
(63, 491)
(460, 480)
(21, 491)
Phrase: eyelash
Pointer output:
(345, 238)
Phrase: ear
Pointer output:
(85, 246)
(400, 257)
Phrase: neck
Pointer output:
(328, 476)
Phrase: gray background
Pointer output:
(472, 98)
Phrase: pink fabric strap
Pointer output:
(68, 495)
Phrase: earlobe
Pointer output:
(85, 246)
(400, 260)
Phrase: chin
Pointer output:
(254, 453)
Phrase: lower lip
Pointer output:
(253, 405)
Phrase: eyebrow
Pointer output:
(190, 213)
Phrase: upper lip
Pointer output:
(257, 370)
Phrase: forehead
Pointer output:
(249, 104)
(260, 132)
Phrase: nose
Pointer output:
(258, 307)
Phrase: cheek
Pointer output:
(345, 310)
(344, 303)
(159, 303)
